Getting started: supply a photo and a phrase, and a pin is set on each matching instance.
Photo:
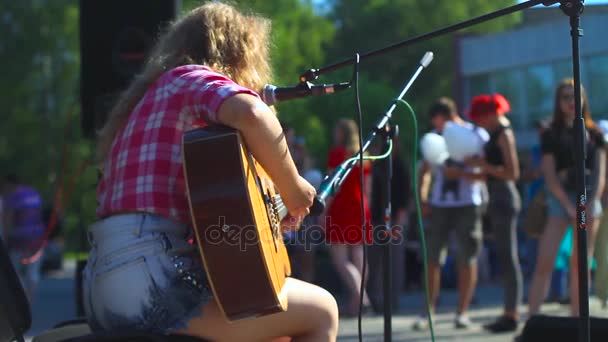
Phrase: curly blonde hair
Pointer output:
(215, 34)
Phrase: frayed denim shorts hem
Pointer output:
(143, 275)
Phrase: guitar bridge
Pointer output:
(273, 217)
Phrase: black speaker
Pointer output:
(551, 328)
(115, 39)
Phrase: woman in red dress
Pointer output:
(343, 219)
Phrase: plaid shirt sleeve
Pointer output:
(205, 91)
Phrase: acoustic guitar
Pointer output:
(236, 215)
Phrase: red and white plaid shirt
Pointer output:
(143, 171)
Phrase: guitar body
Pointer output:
(236, 223)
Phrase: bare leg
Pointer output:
(307, 267)
(467, 280)
(312, 316)
(357, 257)
(601, 257)
(347, 271)
(548, 247)
(434, 284)
(591, 237)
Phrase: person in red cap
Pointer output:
(500, 164)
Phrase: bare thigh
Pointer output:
(312, 311)
(339, 254)
(549, 243)
(356, 252)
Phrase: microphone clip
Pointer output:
(310, 74)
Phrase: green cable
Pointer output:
(419, 215)
(385, 155)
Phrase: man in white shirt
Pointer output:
(453, 203)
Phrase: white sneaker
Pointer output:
(421, 324)
(462, 322)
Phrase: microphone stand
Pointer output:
(332, 183)
(573, 9)
(385, 236)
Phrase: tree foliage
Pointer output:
(40, 138)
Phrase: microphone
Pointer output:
(272, 94)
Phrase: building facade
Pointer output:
(526, 63)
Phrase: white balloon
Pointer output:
(461, 141)
(604, 127)
(434, 148)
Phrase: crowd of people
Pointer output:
(518, 212)
(487, 188)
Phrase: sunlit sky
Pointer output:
(588, 2)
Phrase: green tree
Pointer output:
(40, 137)
(396, 20)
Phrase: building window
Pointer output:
(540, 85)
(562, 70)
(478, 84)
(598, 85)
(509, 84)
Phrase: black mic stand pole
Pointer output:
(573, 9)
(332, 183)
(385, 236)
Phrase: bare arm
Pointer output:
(264, 137)
(424, 182)
(510, 170)
(600, 173)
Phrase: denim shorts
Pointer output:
(142, 275)
(556, 209)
